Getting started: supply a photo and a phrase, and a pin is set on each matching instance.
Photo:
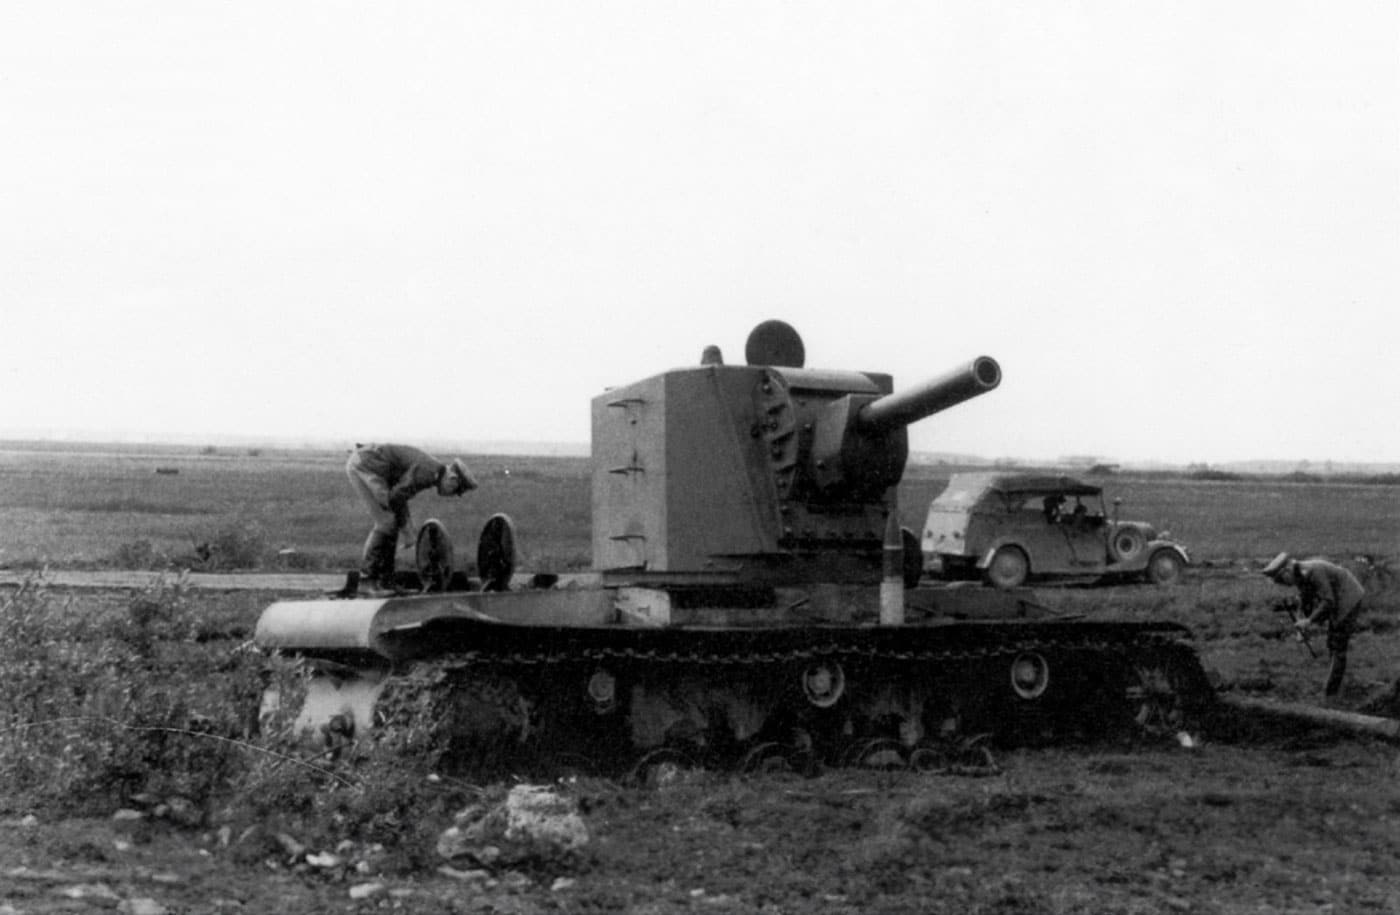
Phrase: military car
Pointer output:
(1008, 528)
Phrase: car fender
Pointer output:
(985, 559)
(1154, 545)
(1150, 549)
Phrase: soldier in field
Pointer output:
(386, 477)
(1326, 591)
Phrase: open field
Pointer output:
(115, 699)
(93, 508)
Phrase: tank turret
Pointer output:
(768, 472)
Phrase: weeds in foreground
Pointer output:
(105, 706)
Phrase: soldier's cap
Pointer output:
(465, 481)
(1276, 565)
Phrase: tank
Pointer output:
(752, 603)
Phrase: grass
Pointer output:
(112, 695)
(77, 509)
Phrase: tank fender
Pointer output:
(338, 625)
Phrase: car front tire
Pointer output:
(1164, 568)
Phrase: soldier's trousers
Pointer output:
(1338, 641)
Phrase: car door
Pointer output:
(1083, 529)
(1049, 549)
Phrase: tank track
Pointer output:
(765, 699)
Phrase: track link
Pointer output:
(927, 701)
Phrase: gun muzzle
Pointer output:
(933, 396)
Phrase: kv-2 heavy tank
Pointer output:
(752, 603)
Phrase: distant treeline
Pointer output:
(1297, 476)
(1203, 472)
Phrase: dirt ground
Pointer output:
(1253, 817)
(1278, 821)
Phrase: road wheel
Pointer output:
(1008, 568)
(495, 553)
(1164, 568)
(433, 556)
(660, 767)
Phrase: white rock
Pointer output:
(183, 811)
(536, 813)
(324, 859)
(28, 821)
(455, 874)
(533, 822)
(141, 906)
(562, 883)
(367, 890)
(89, 891)
(290, 845)
(453, 843)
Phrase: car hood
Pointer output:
(1148, 531)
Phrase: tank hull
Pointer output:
(567, 680)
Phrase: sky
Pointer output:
(1176, 226)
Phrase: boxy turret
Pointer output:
(766, 473)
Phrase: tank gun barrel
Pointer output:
(902, 408)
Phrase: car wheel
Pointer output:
(1164, 568)
(1008, 568)
(1127, 544)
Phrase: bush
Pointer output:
(137, 554)
(127, 699)
(99, 706)
(240, 545)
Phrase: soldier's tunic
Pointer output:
(387, 477)
(1328, 591)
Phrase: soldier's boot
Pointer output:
(1336, 673)
(377, 564)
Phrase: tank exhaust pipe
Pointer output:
(902, 408)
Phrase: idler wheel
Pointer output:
(876, 753)
(824, 683)
(1030, 675)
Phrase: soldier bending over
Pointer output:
(1326, 591)
(386, 477)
